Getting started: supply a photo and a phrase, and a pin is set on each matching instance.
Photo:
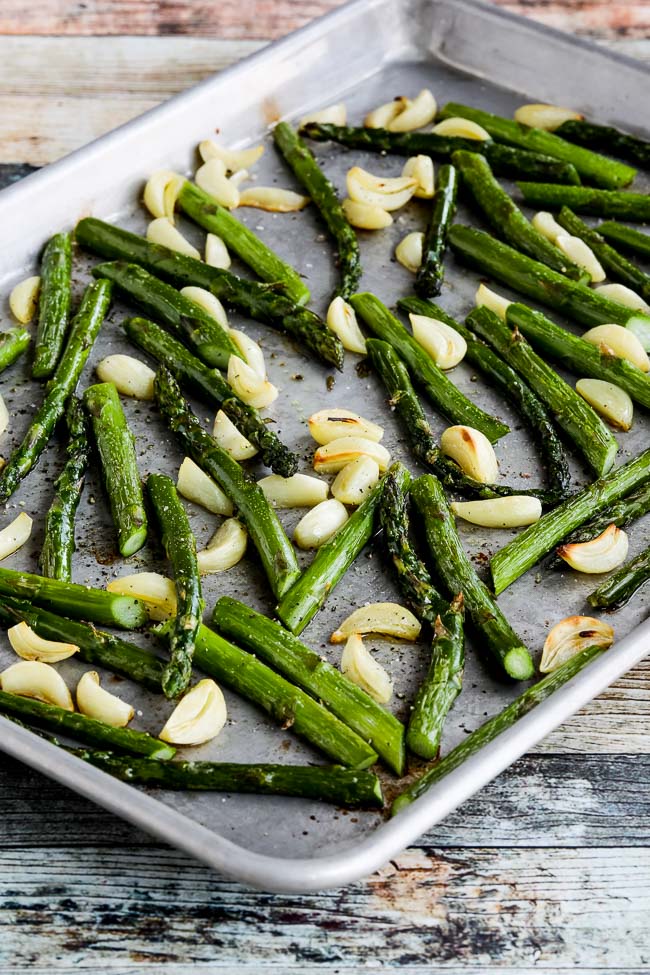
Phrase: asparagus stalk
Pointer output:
(619, 588)
(506, 218)
(209, 385)
(116, 446)
(328, 783)
(323, 195)
(438, 387)
(495, 726)
(332, 560)
(586, 199)
(430, 275)
(606, 137)
(458, 576)
(628, 238)
(53, 305)
(83, 728)
(13, 343)
(267, 303)
(573, 414)
(204, 210)
(591, 166)
(180, 545)
(83, 333)
(58, 542)
(275, 550)
(272, 644)
(530, 545)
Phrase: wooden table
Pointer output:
(548, 868)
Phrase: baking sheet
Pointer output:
(388, 49)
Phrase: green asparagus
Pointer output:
(586, 199)
(53, 305)
(430, 275)
(628, 238)
(13, 343)
(619, 588)
(609, 139)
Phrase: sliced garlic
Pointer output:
(95, 702)
(195, 485)
(421, 169)
(24, 299)
(198, 717)
(582, 255)
(461, 128)
(362, 669)
(409, 251)
(273, 198)
(250, 350)
(162, 231)
(157, 592)
(332, 115)
(297, 491)
(336, 422)
(612, 402)
(623, 295)
(239, 177)
(546, 225)
(490, 299)
(386, 619)
(15, 535)
(600, 554)
(318, 525)
(331, 457)
(216, 252)
(383, 115)
(249, 385)
(30, 646)
(570, 636)
(620, 342)
(211, 178)
(161, 192)
(130, 376)
(32, 678)
(207, 301)
(415, 113)
(444, 344)
(4, 416)
(366, 216)
(355, 481)
(230, 439)
(225, 549)
(389, 193)
(342, 320)
(512, 512)
(472, 451)
(549, 117)
(234, 159)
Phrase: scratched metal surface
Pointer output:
(415, 45)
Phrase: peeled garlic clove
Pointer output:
(30, 646)
(95, 702)
(409, 251)
(157, 592)
(216, 252)
(250, 350)
(612, 402)
(623, 295)
(198, 717)
(363, 670)
(130, 376)
(332, 115)
(421, 169)
(249, 385)
(461, 128)
(162, 231)
(331, 457)
(15, 535)
(444, 344)
(336, 422)
(415, 113)
(239, 177)
(389, 193)
(490, 299)
(195, 485)
(161, 192)
(472, 451)
(207, 301)
(297, 491)
(582, 255)
(548, 117)
(211, 178)
(230, 439)
(355, 481)
(342, 320)
(546, 225)
(4, 417)
(32, 678)
(600, 554)
(366, 216)
(24, 299)
(225, 549)
(620, 342)
(387, 619)
(511, 512)
(273, 198)
(233, 159)
(383, 115)
(318, 525)
(570, 636)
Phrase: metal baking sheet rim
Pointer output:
(388, 840)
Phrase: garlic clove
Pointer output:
(472, 451)
(273, 198)
(334, 423)
(162, 231)
(216, 252)
(230, 439)
(582, 255)
(239, 177)
(225, 549)
(156, 591)
(409, 251)
(32, 678)
(233, 159)
(197, 486)
(342, 320)
(600, 554)
(366, 216)
(385, 619)
(415, 113)
(609, 400)
(548, 117)
(297, 491)
(624, 296)
(363, 670)
(207, 301)
(444, 344)
(620, 342)
(332, 115)
(198, 717)
(389, 193)
(461, 128)
(161, 192)
(211, 178)
(250, 350)
(421, 169)
(355, 481)
(511, 512)
(95, 702)
(490, 299)
(130, 376)
(320, 524)
(4, 418)
(249, 385)
(546, 225)
(331, 457)
(30, 646)
(383, 115)
(15, 535)
(570, 636)
(24, 299)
